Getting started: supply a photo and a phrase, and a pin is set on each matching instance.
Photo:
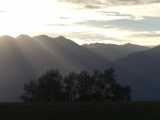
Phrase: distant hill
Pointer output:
(113, 51)
(26, 57)
(141, 70)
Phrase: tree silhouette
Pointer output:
(120, 93)
(48, 88)
(101, 86)
(84, 86)
(30, 94)
(70, 83)
(106, 88)
(108, 78)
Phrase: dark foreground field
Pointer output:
(80, 111)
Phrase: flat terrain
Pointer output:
(80, 111)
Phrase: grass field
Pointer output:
(80, 111)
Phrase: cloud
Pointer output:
(55, 25)
(146, 24)
(97, 4)
(138, 9)
(148, 35)
(92, 7)
(81, 1)
(90, 37)
(62, 17)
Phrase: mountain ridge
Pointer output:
(113, 51)
(24, 58)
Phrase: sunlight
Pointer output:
(19, 19)
(52, 52)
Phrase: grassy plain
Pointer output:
(81, 111)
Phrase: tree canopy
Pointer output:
(51, 86)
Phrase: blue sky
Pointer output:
(84, 21)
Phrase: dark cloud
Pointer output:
(145, 35)
(92, 7)
(97, 4)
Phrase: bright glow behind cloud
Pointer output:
(84, 21)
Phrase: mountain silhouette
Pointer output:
(113, 51)
(140, 70)
(25, 57)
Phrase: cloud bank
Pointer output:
(99, 4)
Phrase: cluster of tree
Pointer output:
(51, 86)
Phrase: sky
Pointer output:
(84, 21)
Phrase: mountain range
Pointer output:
(112, 52)
(24, 58)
